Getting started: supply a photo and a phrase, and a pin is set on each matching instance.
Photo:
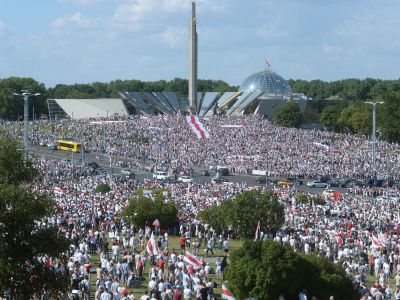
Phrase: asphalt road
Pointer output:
(104, 162)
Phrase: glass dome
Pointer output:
(268, 82)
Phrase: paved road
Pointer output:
(103, 161)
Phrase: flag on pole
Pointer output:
(257, 231)
(192, 260)
(152, 246)
(226, 294)
(197, 127)
(266, 62)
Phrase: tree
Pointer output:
(388, 115)
(288, 115)
(267, 269)
(329, 117)
(13, 169)
(144, 210)
(22, 240)
(244, 211)
(102, 188)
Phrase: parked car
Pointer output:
(161, 175)
(295, 181)
(336, 183)
(317, 184)
(128, 173)
(219, 179)
(94, 165)
(186, 179)
(204, 173)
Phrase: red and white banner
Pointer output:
(375, 241)
(58, 191)
(226, 294)
(197, 127)
(192, 260)
(257, 231)
(152, 246)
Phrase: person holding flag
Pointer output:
(152, 248)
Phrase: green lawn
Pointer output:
(173, 243)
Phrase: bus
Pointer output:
(68, 146)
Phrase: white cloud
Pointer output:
(134, 11)
(76, 20)
(174, 36)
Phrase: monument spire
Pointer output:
(193, 62)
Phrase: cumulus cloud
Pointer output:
(75, 20)
(173, 36)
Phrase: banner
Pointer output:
(152, 246)
(58, 191)
(226, 294)
(192, 260)
(197, 127)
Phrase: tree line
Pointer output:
(337, 105)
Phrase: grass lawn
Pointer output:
(173, 243)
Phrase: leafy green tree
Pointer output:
(13, 169)
(144, 210)
(329, 117)
(288, 115)
(22, 241)
(102, 188)
(267, 269)
(361, 118)
(388, 115)
(244, 211)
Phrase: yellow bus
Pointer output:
(68, 146)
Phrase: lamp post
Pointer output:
(25, 94)
(374, 103)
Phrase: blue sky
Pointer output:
(82, 41)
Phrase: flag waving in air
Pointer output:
(197, 127)
(192, 260)
(226, 294)
(266, 62)
(152, 246)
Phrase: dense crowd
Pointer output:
(356, 231)
(253, 143)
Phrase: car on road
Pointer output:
(186, 179)
(204, 173)
(128, 173)
(218, 179)
(284, 183)
(295, 181)
(337, 183)
(161, 175)
(317, 184)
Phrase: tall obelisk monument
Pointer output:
(193, 62)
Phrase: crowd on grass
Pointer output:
(358, 230)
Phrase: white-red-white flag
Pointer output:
(375, 241)
(257, 231)
(152, 246)
(226, 294)
(197, 127)
(58, 190)
(192, 260)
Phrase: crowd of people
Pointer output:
(356, 231)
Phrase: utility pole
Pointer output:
(374, 104)
(25, 94)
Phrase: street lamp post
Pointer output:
(374, 103)
(25, 94)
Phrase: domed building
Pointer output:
(267, 81)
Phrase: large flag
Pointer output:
(152, 246)
(375, 241)
(192, 260)
(58, 191)
(226, 294)
(197, 127)
(257, 231)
